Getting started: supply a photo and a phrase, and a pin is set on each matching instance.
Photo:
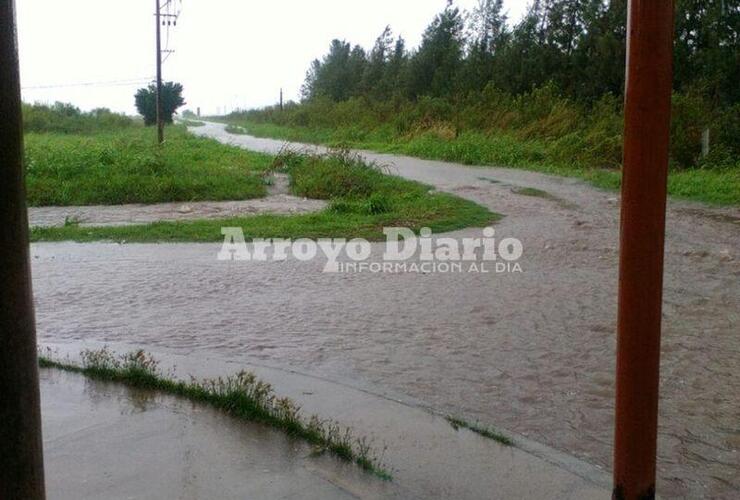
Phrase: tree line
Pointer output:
(577, 46)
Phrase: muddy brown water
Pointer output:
(531, 352)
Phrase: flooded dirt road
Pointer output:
(278, 201)
(530, 352)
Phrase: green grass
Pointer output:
(458, 423)
(537, 193)
(243, 396)
(127, 166)
(235, 129)
(191, 123)
(362, 201)
(718, 186)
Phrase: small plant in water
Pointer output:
(242, 395)
(71, 221)
(458, 423)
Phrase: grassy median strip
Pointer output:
(363, 199)
(242, 395)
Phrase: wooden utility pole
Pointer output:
(647, 116)
(21, 452)
(281, 99)
(160, 118)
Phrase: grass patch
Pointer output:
(127, 166)
(529, 191)
(458, 423)
(191, 123)
(235, 129)
(718, 186)
(242, 396)
(363, 199)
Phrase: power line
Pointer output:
(108, 83)
(167, 18)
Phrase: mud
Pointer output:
(530, 352)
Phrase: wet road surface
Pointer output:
(530, 352)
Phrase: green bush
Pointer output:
(688, 121)
(64, 118)
(334, 176)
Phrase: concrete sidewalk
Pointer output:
(105, 440)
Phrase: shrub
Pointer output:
(337, 175)
(64, 118)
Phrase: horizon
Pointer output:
(205, 37)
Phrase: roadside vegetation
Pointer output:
(487, 432)
(243, 396)
(75, 158)
(545, 94)
(235, 129)
(63, 118)
(191, 123)
(363, 198)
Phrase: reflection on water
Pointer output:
(105, 440)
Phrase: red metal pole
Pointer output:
(646, 141)
(21, 455)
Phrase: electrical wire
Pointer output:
(109, 83)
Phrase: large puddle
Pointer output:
(104, 440)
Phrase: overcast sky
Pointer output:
(228, 53)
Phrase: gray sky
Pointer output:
(229, 53)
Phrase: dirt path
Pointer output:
(278, 201)
(532, 353)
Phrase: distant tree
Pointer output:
(599, 59)
(435, 65)
(356, 65)
(146, 102)
(487, 25)
(575, 47)
(707, 48)
(339, 75)
(374, 80)
(309, 89)
(487, 34)
(397, 74)
(523, 63)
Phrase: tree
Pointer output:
(374, 82)
(600, 57)
(523, 63)
(338, 75)
(435, 65)
(707, 48)
(396, 75)
(488, 25)
(487, 34)
(146, 102)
